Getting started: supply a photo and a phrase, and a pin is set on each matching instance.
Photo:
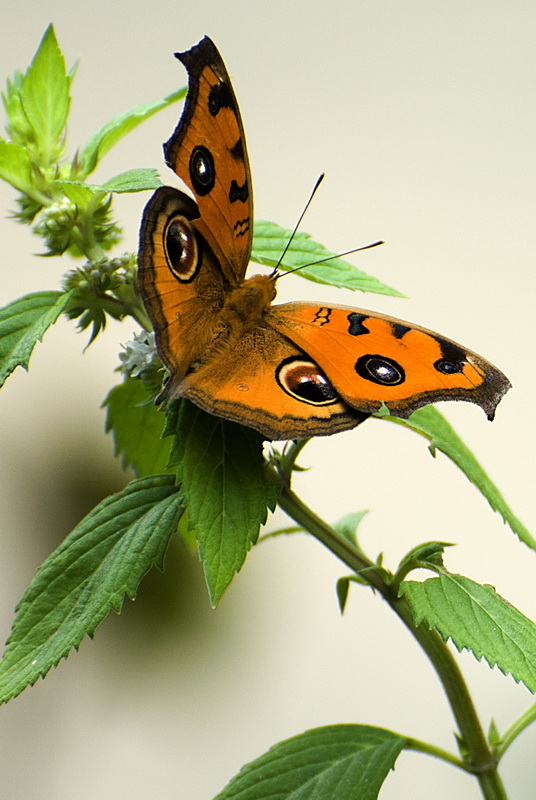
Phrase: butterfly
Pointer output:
(292, 370)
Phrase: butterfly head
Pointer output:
(254, 296)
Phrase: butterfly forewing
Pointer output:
(372, 358)
(208, 152)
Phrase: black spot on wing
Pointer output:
(399, 329)
(237, 150)
(453, 358)
(237, 192)
(380, 370)
(322, 316)
(219, 97)
(241, 227)
(202, 170)
(357, 327)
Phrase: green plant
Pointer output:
(205, 476)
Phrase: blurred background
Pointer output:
(422, 115)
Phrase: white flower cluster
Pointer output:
(139, 355)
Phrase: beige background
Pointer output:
(422, 115)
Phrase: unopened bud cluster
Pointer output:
(56, 223)
(101, 288)
(65, 226)
(108, 274)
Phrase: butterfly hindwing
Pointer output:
(179, 279)
(270, 384)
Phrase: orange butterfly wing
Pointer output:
(208, 151)
(179, 280)
(268, 383)
(372, 358)
(192, 253)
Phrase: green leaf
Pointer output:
(270, 240)
(342, 588)
(476, 618)
(45, 99)
(337, 762)
(119, 126)
(494, 737)
(427, 555)
(133, 180)
(227, 490)
(137, 427)
(17, 125)
(347, 526)
(431, 424)
(15, 166)
(104, 558)
(80, 193)
(23, 323)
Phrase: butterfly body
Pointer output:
(290, 370)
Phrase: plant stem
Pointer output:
(515, 729)
(481, 761)
(139, 314)
(432, 750)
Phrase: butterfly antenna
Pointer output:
(330, 258)
(297, 225)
